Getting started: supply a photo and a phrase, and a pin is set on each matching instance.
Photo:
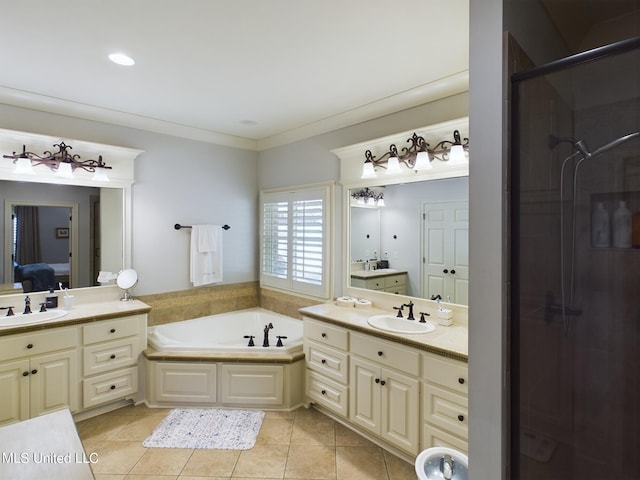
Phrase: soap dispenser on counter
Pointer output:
(51, 300)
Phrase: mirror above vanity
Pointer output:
(58, 229)
(414, 242)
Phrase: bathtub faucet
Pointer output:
(265, 342)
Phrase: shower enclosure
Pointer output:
(575, 267)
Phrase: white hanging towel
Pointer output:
(206, 254)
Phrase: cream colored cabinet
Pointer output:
(445, 403)
(327, 362)
(38, 373)
(396, 283)
(111, 350)
(385, 400)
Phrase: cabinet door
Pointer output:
(400, 407)
(53, 382)
(365, 394)
(14, 385)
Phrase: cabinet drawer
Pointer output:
(327, 393)
(435, 437)
(389, 354)
(110, 386)
(327, 361)
(397, 290)
(395, 280)
(102, 357)
(29, 344)
(325, 333)
(110, 329)
(445, 409)
(445, 372)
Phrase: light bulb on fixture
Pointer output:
(422, 162)
(456, 154)
(393, 164)
(64, 170)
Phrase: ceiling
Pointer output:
(245, 73)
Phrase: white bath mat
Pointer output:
(207, 428)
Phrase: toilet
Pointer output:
(442, 463)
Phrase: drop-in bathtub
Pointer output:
(226, 332)
(207, 362)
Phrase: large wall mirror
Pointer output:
(59, 235)
(62, 230)
(416, 244)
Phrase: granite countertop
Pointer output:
(449, 341)
(47, 446)
(379, 272)
(80, 313)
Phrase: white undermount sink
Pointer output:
(31, 318)
(390, 323)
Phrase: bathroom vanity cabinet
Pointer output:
(399, 395)
(386, 280)
(77, 367)
(38, 373)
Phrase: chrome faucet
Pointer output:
(265, 342)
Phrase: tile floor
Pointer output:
(304, 444)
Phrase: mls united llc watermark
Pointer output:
(49, 458)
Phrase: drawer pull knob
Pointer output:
(113, 387)
(461, 418)
(34, 371)
(113, 355)
(323, 361)
(323, 392)
(461, 381)
(30, 345)
(25, 374)
(324, 335)
(113, 330)
(383, 382)
(377, 380)
(380, 353)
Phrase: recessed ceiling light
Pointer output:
(121, 59)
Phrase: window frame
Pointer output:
(289, 195)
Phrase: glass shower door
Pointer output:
(575, 304)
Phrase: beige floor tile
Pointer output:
(360, 463)
(262, 461)
(275, 431)
(141, 409)
(101, 428)
(345, 437)
(138, 428)
(150, 477)
(209, 462)
(311, 427)
(311, 461)
(162, 461)
(117, 457)
(397, 468)
(189, 477)
(108, 476)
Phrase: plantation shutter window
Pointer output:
(294, 250)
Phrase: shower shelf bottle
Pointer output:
(600, 227)
(622, 226)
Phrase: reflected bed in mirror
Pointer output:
(416, 244)
(58, 234)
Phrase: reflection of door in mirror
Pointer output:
(40, 246)
(446, 251)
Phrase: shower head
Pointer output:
(582, 148)
(619, 141)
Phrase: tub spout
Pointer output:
(265, 341)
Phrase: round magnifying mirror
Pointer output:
(127, 279)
